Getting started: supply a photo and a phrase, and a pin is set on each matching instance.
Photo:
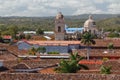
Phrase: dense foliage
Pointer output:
(34, 50)
(105, 69)
(53, 52)
(41, 50)
(11, 25)
(34, 23)
(110, 24)
(113, 35)
(110, 46)
(72, 65)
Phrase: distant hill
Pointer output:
(111, 24)
(82, 16)
(96, 16)
(106, 21)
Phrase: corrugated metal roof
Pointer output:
(29, 32)
(73, 30)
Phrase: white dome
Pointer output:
(90, 22)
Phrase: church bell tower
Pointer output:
(59, 27)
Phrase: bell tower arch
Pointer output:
(59, 27)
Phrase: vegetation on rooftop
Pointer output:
(105, 59)
(105, 69)
(41, 50)
(34, 50)
(110, 46)
(53, 52)
(72, 65)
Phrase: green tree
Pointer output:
(33, 51)
(13, 31)
(7, 32)
(113, 34)
(110, 46)
(87, 39)
(39, 31)
(105, 69)
(21, 36)
(72, 65)
(41, 50)
(53, 52)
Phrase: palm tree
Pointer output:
(41, 50)
(33, 51)
(87, 39)
(72, 65)
(110, 46)
(105, 69)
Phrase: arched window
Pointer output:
(59, 29)
(89, 31)
(94, 23)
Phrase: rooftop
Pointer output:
(73, 30)
(100, 53)
(105, 42)
(56, 43)
(7, 37)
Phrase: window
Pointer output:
(59, 29)
(94, 23)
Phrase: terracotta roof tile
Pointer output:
(41, 63)
(47, 71)
(7, 37)
(91, 62)
(115, 64)
(105, 42)
(53, 42)
(100, 52)
(21, 66)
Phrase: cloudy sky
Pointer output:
(51, 7)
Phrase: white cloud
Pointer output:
(114, 8)
(50, 7)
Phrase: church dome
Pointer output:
(90, 22)
(59, 16)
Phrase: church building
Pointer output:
(59, 27)
(90, 25)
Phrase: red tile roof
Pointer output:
(105, 42)
(7, 37)
(48, 71)
(115, 64)
(100, 52)
(21, 66)
(63, 43)
(91, 62)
